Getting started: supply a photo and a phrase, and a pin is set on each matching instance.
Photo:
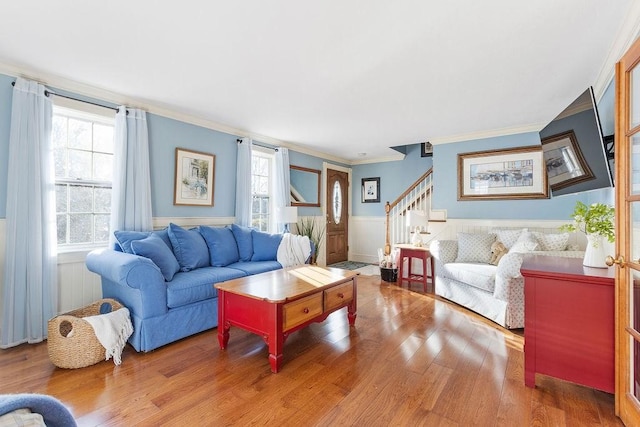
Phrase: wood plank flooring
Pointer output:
(412, 359)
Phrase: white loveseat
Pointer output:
(463, 273)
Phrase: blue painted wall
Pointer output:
(394, 176)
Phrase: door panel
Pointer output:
(337, 235)
(627, 167)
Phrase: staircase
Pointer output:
(416, 197)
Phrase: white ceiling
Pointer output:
(337, 77)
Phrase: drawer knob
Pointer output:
(340, 295)
(306, 310)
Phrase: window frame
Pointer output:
(95, 114)
(265, 153)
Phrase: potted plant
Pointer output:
(596, 221)
(307, 226)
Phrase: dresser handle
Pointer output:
(340, 295)
(306, 310)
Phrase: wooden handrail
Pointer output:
(410, 189)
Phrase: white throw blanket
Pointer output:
(293, 250)
(112, 330)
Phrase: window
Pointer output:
(261, 185)
(83, 152)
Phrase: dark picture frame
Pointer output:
(371, 190)
(515, 173)
(426, 149)
(564, 160)
(194, 173)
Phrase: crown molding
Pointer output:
(627, 33)
(487, 134)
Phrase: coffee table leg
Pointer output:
(276, 337)
(223, 325)
(352, 307)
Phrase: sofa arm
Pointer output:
(443, 252)
(144, 287)
(509, 281)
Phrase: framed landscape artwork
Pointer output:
(564, 161)
(370, 190)
(194, 178)
(516, 173)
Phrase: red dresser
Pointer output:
(569, 321)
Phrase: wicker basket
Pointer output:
(72, 342)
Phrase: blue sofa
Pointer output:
(165, 278)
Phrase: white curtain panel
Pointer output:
(131, 191)
(282, 182)
(30, 292)
(243, 183)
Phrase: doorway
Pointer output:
(337, 216)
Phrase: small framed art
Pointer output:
(370, 190)
(193, 178)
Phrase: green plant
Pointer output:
(307, 226)
(596, 218)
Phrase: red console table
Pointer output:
(569, 321)
(410, 252)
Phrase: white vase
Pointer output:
(594, 255)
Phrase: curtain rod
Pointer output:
(50, 92)
(239, 141)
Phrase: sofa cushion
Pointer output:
(527, 242)
(244, 241)
(223, 249)
(154, 248)
(124, 238)
(508, 237)
(265, 246)
(256, 267)
(197, 285)
(552, 242)
(475, 247)
(189, 247)
(481, 276)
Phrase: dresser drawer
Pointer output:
(337, 296)
(299, 311)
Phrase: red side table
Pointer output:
(411, 252)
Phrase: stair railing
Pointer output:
(416, 197)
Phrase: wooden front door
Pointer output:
(627, 182)
(337, 235)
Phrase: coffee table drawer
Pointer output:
(337, 296)
(299, 311)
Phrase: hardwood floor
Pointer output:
(411, 359)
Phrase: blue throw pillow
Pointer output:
(154, 248)
(125, 238)
(189, 247)
(223, 249)
(265, 246)
(244, 241)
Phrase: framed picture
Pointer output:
(426, 149)
(370, 190)
(565, 163)
(193, 178)
(516, 173)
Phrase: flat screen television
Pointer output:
(574, 149)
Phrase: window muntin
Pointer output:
(83, 153)
(261, 189)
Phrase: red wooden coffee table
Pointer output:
(277, 303)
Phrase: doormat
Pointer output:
(350, 265)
